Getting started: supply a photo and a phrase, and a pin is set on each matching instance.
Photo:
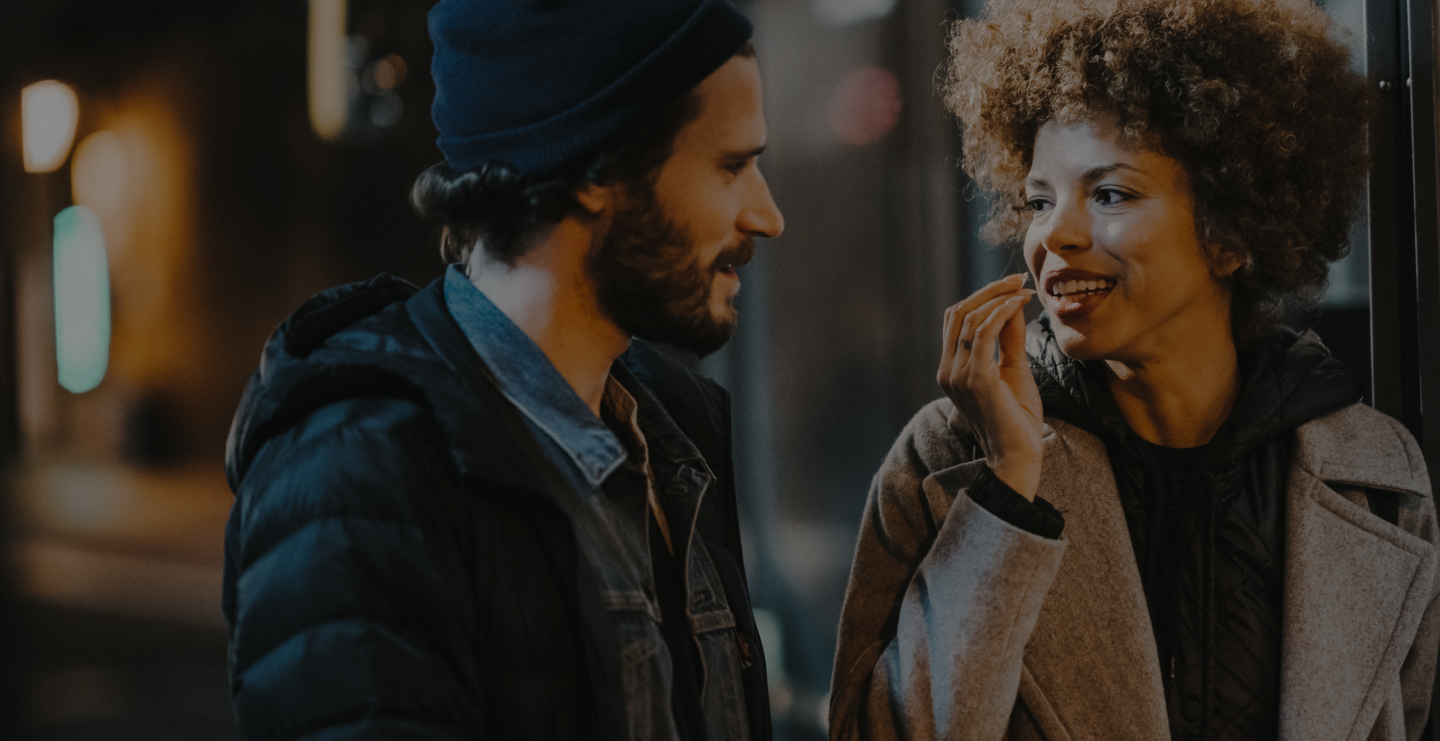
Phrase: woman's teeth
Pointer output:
(1071, 287)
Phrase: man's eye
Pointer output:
(735, 168)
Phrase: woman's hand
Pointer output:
(999, 398)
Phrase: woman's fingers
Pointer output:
(1012, 339)
(951, 334)
(982, 353)
(1008, 284)
(957, 313)
(974, 319)
(962, 321)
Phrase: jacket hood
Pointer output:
(1286, 381)
(293, 379)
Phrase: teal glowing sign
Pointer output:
(82, 300)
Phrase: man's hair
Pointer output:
(1254, 98)
(500, 209)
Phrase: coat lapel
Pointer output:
(1092, 654)
(1356, 588)
(1355, 585)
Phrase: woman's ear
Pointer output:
(1225, 264)
(595, 199)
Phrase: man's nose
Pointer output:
(761, 217)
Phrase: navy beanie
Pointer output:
(540, 84)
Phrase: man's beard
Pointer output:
(649, 280)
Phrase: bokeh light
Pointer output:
(82, 300)
(846, 12)
(102, 177)
(50, 111)
(386, 109)
(866, 106)
(327, 61)
(389, 72)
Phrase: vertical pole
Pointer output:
(1404, 233)
(1391, 222)
(1420, 89)
(11, 678)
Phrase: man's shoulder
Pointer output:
(355, 341)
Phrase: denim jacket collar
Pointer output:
(530, 381)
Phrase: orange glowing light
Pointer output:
(327, 68)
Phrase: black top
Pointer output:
(1214, 583)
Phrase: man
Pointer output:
(480, 510)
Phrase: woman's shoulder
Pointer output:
(937, 437)
(1361, 445)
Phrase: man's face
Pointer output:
(664, 267)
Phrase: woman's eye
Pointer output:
(1037, 204)
(1111, 196)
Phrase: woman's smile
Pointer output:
(1071, 294)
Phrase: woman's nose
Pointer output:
(1066, 229)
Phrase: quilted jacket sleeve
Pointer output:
(344, 588)
(942, 598)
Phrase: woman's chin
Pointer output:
(1075, 344)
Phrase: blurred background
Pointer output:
(228, 160)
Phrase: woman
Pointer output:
(1173, 519)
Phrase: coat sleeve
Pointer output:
(1417, 674)
(346, 595)
(942, 598)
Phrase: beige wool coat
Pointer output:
(957, 625)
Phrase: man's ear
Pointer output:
(595, 199)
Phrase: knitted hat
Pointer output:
(539, 84)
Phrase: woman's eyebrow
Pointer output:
(1090, 176)
(1095, 174)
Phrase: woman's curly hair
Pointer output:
(1256, 99)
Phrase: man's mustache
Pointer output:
(736, 256)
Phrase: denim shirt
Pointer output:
(607, 502)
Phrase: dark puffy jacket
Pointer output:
(394, 564)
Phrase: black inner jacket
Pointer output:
(1207, 524)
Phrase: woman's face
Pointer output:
(1113, 248)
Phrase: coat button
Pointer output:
(1191, 710)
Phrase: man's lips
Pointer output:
(727, 262)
